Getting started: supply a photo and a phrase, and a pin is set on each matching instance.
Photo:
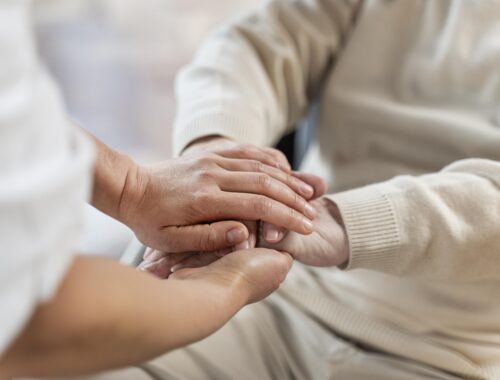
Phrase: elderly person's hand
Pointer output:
(326, 246)
(161, 262)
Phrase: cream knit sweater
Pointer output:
(409, 94)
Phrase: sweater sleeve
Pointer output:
(444, 226)
(252, 79)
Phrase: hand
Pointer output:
(253, 274)
(229, 148)
(326, 246)
(161, 263)
(165, 204)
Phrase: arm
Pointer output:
(93, 321)
(441, 226)
(252, 80)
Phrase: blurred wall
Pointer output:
(116, 61)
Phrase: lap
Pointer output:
(274, 339)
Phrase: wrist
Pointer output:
(342, 240)
(206, 143)
(112, 177)
(134, 184)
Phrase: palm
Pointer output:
(326, 246)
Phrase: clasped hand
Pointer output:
(322, 243)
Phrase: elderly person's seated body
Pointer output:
(405, 88)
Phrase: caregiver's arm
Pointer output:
(95, 322)
(168, 204)
(253, 79)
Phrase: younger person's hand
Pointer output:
(162, 263)
(250, 275)
(170, 205)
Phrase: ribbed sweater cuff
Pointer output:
(371, 227)
(242, 127)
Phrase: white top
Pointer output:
(45, 176)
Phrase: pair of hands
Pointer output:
(282, 234)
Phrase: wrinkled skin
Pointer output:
(326, 246)
(210, 193)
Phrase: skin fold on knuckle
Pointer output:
(257, 166)
(209, 242)
(294, 219)
(264, 183)
(262, 207)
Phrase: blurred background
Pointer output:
(115, 62)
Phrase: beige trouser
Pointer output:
(276, 340)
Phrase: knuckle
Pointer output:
(205, 175)
(205, 161)
(291, 215)
(257, 166)
(263, 182)
(211, 240)
(263, 206)
(202, 197)
(298, 201)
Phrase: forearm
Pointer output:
(95, 322)
(253, 79)
(441, 226)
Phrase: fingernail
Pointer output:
(147, 254)
(308, 225)
(273, 235)
(310, 211)
(306, 189)
(177, 267)
(243, 245)
(146, 266)
(235, 236)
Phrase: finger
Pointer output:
(162, 267)
(159, 268)
(251, 242)
(148, 252)
(293, 182)
(273, 234)
(203, 237)
(280, 157)
(264, 184)
(197, 261)
(258, 207)
(153, 255)
(267, 156)
(317, 183)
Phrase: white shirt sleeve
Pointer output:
(45, 176)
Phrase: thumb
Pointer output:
(202, 237)
(271, 233)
